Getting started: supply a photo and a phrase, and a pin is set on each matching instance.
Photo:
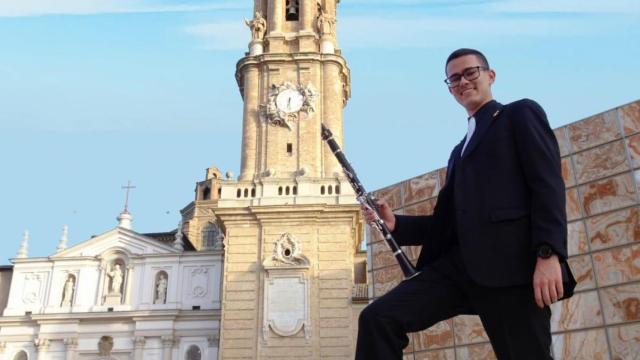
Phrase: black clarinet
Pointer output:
(368, 200)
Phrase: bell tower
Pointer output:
(289, 224)
(292, 79)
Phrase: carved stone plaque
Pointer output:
(286, 304)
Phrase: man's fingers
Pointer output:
(553, 295)
(538, 296)
(545, 293)
(560, 288)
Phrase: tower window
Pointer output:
(239, 193)
(280, 190)
(246, 192)
(287, 190)
(322, 190)
(206, 194)
(337, 189)
(219, 192)
(330, 189)
(295, 190)
(293, 10)
(253, 192)
(290, 149)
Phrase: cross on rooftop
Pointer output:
(126, 200)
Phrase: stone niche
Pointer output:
(286, 290)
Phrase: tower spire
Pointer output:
(24, 246)
(178, 244)
(63, 239)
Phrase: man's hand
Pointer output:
(547, 281)
(385, 214)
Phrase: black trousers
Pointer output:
(517, 328)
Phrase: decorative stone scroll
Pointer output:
(286, 289)
(287, 250)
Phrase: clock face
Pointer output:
(289, 100)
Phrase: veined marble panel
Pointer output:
(583, 272)
(475, 352)
(608, 194)
(594, 131)
(381, 255)
(633, 145)
(577, 238)
(573, 204)
(438, 336)
(448, 354)
(587, 345)
(391, 195)
(615, 228)
(621, 303)
(563, 141)
(625, 341)
(386, 279)
(630, 116)
(442, 176)
(567, 172)
(412, 252)
(421, 188)
(617, 265)
(580, 311)
(468, 329)
(601, 162)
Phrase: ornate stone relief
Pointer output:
(198, 282)
(287, 250)
(32, 288)
(285, 101)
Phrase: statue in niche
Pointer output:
(325, 23)
(258, 26)
(117, 277)
(67, 293)
(105, 346)
(161, 290)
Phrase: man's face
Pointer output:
(475, 93)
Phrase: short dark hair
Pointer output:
(463, 52)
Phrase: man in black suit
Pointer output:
(496, 244)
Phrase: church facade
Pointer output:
(120, 295)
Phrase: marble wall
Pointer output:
(601, 169)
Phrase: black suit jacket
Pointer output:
(502, 199)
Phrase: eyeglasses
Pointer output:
(469, 74)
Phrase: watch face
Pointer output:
(289, 100)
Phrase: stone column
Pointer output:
(139, 347)
(167, 344)
(332, 104)
(307, 15)
(276, 16)
(72, 346)
(127, 286)
(101, 280)
(41, 348)
(251, 78)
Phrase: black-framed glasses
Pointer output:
(470, 73)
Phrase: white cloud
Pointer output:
(17, 8)
(567, 6)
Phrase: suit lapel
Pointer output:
(481, 130)
(455, 155)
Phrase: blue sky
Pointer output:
(94, 93)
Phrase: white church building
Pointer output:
(120, 295)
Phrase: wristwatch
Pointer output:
(545, 251)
